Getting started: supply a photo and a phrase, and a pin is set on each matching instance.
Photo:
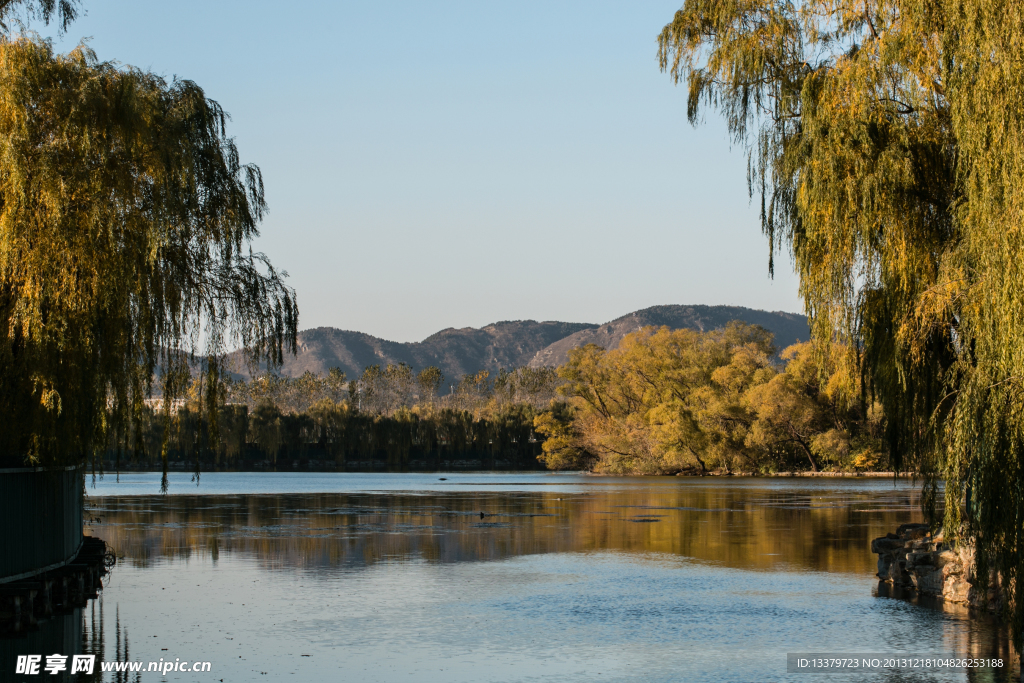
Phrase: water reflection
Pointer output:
(827, 528)
(621, 581)
(980, 635)
(60, 633)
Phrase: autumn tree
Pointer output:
(665, 400)
(266, 429)
(816, 408)
(563, 448)
(385, 390)
(289, 394)
(524, 385)
(429, 381)
(471, 393)
(328, 422)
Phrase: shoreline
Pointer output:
(469, 468)
(760, 475)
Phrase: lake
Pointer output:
(508, 577)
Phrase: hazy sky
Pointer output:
(452, 164)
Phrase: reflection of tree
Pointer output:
(739, 527)
(80, 631)
(95, 640)
(984, 638)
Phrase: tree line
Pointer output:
(391, 417)
(663, 402)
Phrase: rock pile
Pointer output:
(914, 558)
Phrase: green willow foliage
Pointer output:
(125, 218)
(887, 143)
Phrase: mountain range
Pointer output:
(516, 343)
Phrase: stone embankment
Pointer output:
(25, 603)
(914, 558)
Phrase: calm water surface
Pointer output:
(508, 577)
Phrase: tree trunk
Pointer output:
(703, 469)
(804, 446)
(810, 456)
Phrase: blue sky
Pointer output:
(452, 164)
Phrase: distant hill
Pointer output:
(456, 351)
(788, 328)
(515, 343)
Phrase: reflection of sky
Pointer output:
(141, 483)
(559, 617)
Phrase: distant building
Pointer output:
(157, 405)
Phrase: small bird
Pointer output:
(442, 478)
(482, 515)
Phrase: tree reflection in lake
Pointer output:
(807, 527)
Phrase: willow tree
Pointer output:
(19, 12)
(125, 223)
(886, 142)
